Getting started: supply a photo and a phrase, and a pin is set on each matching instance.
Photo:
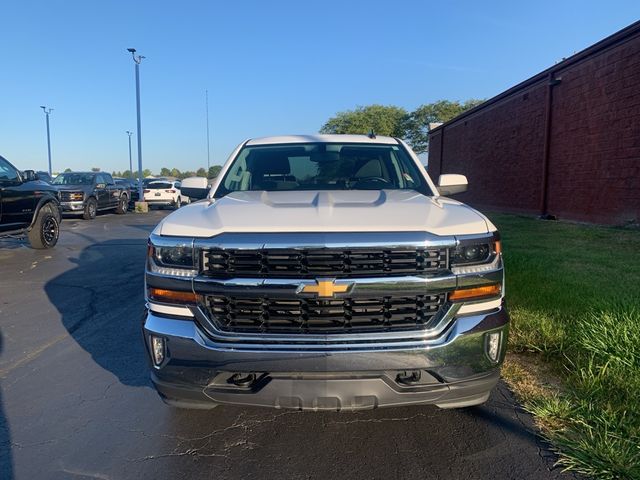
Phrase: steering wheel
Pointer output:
(371, 183)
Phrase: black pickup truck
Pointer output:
(87, 193)
(28, 206)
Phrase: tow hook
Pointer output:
(408, 378)
(242, 379)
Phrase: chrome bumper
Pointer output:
(454, 367)
(75, 206)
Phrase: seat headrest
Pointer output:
(371, 168)
(270, 163)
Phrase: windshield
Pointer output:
(74, 179)
(322, 166)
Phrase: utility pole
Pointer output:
(137, 60)
(130, 161)
(208, 149)
(47, 112)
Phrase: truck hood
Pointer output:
(324, 211)
(72, 188)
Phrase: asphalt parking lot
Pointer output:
(75, 400)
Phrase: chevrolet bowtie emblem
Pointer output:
(325, 288)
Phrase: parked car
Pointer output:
(164, 193)
(87, 193)
(132, 187)
(325, 272)
(28, 206)
(44, 176)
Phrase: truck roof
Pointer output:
(318, 138)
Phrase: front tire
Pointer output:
(90, 209)
(45, 230)
(123, 205)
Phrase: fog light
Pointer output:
(157, 350)
(492, 345)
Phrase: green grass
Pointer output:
(574, 297)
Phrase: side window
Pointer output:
(408, 178)
(178, 185)
(7, 172)
(99, 179)
(235, 177)
(108, 179)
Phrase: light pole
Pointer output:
(47, 112)
(130, 161)
(137, 60)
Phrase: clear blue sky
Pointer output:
(271, 67)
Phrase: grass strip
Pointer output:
(574, 296)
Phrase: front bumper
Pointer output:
(453, 368)
(74, 207)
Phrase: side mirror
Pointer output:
(29, 176)
(452, 183)
(101, 185)
(195, 187)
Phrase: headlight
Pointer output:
(175, 260)
(472, 254)
(475, 257)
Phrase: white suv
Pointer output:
(164, 193)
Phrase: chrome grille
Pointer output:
(66, 195)
(313, 315)
(312, 263)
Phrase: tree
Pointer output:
(95, 169)
(214, 171)
(201, 172)
(175, 173)
(187, 174)
(417, 124)
(165, 172)
(67, 170)
(146, 172)
(383, 119)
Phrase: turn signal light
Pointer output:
(475, 292)
(171, 296)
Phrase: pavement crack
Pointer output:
(378, 420)
(205, 445)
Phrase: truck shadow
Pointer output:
(6, 458)
(101, 304)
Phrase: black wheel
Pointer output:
(45, 230)
(90, 209)
(123, 205)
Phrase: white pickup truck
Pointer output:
(325, 272)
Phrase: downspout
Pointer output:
(544, 196)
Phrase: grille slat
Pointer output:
(309, 315)
(331, 262)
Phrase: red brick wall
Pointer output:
(594, 160)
